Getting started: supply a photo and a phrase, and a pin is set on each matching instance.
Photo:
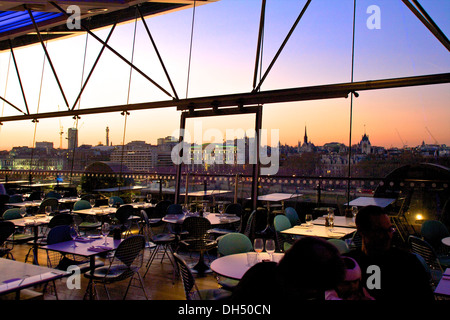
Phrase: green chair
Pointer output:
(341, 245)
(284, 241)
(85, 222)
(11, 214)
(117, 201)
(52, 202)
(18, 237)
(433, 231)
(232, 243)
(292, 215)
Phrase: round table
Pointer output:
(446, 241)
(234, 266)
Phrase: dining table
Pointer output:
(234, 266)
(443, 287)
(446, 241)
(16, 276)
(319, 231)
(214, 218)
(33, 222)
(88, 247)
(370, 201)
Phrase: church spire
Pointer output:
(305, 138)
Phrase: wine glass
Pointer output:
(258, 246)
(48, 210)
(133, 198)
(330, 219)
(74, 234)
(92, 202)
(308, 220)
(149, 197)
(220, 208)
(111, 202)
(270, 247)
(354, 212)
(105, 231)
(185, 210)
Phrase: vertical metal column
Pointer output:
(256, 166)
(179, 166)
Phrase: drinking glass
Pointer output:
(133, 198)
(23, 211)
(308, 220)
(74, 234)
(92, 202)
(105, 231)
(258, 246)
(270, 247)
(48, 210)
(149, 197)
(185, 209)
(111, 202)
(330, 220)
(220, 208)
(354, 212)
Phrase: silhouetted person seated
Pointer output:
(309, 268)
(388, 273)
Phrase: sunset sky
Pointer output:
(223, 58)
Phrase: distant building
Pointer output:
(307, 146)
(365, 145)
(138, 156)
(72, 136)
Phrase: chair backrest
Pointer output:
(281, 223)
(196, 227)
(15, 198)
(175, 209)
(11, 214)
(161, 208)
(433, 231)
(59, 234)
(62, 219)
(123, 213)
(129, 249)
(340, 244)
(234, 208)
(116, 200)
(425, 250)
(7, 228)
(232, 243)
(52, 202)
(186, 276)
(292, 215)
(53, 194)
(81, 204)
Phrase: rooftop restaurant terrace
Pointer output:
(128, 222)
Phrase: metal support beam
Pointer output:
(93, 67)
(423, 16)
(282, 46)
(48, 56)
(259, 45)
(18, 77)
(179, 166)
(331, 91)
(157, 51)
(256, 166)
(115, 52)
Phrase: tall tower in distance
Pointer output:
(107, 136)
(72, 136)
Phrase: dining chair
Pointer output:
(433, 231)
(190, 287)
(126, 263)
(196, 236)
(117, 201)
(121, 219)
(62, 261)
(232, 243)
(85, 222)
(436, 264)
(292, 215)
(283, 241)
(20, 235)
(52, 202)
(163, 241)
(340, 244)
(7, 229)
